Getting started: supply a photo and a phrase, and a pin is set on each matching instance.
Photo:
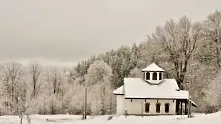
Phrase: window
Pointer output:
(147, 107)
(154, 76)
(147, 75)
(160, 76)
(158, 108)
(167, 108)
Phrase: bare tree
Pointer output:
(178, 40)
(35, 71)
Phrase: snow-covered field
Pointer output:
(75, 119)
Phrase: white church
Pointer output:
(152, 95)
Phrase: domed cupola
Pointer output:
(153, 74)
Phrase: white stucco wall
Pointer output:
(137, 106)
(120, 104)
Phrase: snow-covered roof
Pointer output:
(119, 91)
(153, 67)
(138, 88)
(193, 103)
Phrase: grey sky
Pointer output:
(62, 32)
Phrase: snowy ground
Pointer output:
(75, 119)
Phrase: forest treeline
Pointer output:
(189, 51)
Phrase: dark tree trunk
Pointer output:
(34, 92)
(21, 120)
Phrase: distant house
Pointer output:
(152, 95)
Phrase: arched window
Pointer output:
(167, 108)
(147, 75)
(147, 107)
(154, 76)
(160, 76)
(158, 108)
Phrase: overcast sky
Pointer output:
(63, 32)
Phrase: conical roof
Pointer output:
(153, 67)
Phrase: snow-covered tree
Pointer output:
(74, 99)
(213, 94)
(212, 33)
(11, 78)
(98, 72)
(136, 73)
(55, 78)
(98, 80)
